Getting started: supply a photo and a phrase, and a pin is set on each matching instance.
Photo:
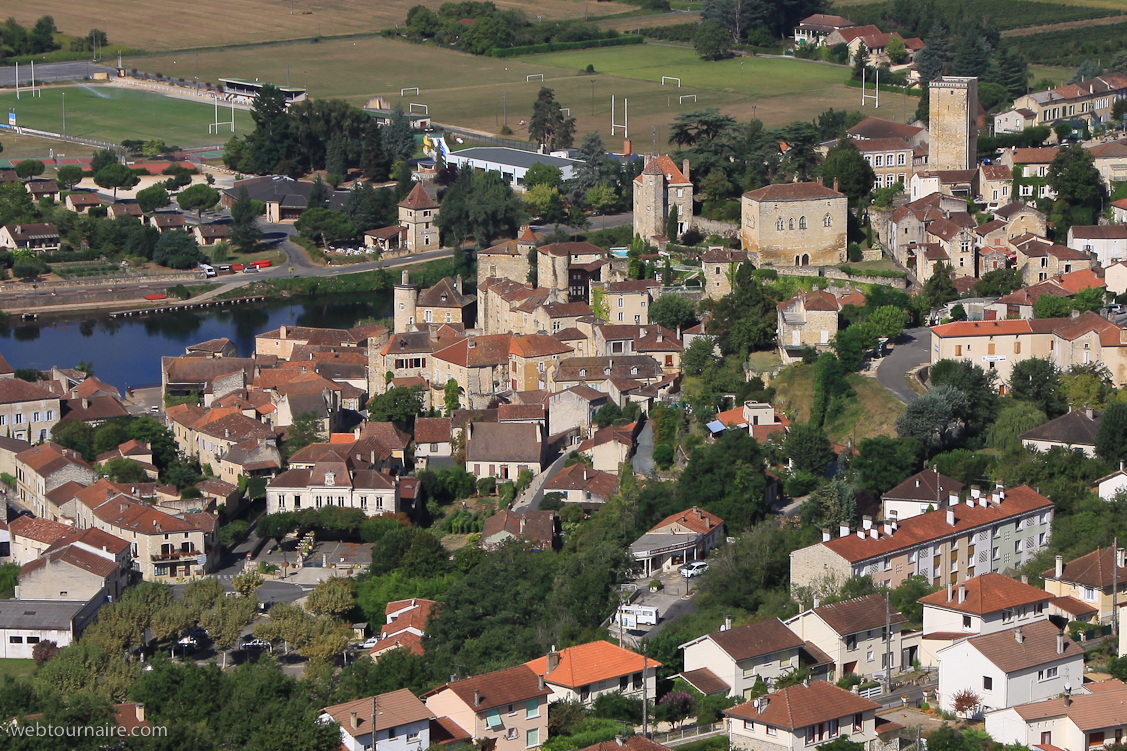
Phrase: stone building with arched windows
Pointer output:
(795, 224)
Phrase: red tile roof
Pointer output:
(987, 593)
(802, 705)
(793, 192)
(40, 530)
(695, 519)
(496, 689)
(590, 663)
(418, 199)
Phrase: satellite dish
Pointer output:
(1068, 687)
(755, 703)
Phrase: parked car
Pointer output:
(252, 269)
(252, 642)
(696, 568)
(368, 643)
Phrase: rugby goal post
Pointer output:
(215, 125)
(625, 116)
(671, 78)
(566, 111)
(403, 92)
(531, 76)
(411, 107)
(681, 99)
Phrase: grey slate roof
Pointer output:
(36, 615)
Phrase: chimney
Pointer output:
(950, 592)
(763, 702)
(226, 432)
(962, 592)
(353, 720)
(982, 501)
(1019, 636)
(817, 602)
(618, 739)
(458, 283)
(887, 529)
(476, 692)
(540, 683)
(860, 534)
(843, 531)
(282, 331)
(1060, 567)
(1060, 642)
(917, 482)
(953, 499)
(553, 659)
(727, 623)
(1089, 414)
(406, 278)
(970, 502)
(826, 536)
(139, 708)
(950, 517)
(1121, 558)
(627, 148)
(867, 522)
(835, 183)
(873, 533)
(975, 492)
(685, 169)
(470, 343)
(1025, 578)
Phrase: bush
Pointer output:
(229, 534)
(800, 483)
(530, 49)
(663, 455)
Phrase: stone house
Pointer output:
(504, 450)
(809, 319)
(332, 483)
(43, 468)
(574, 408)
(81, 566)
(405, 355)
(508, 259)
(627, 301)
(31, 536)
(992, 185)
(660, 190)
(957, 240)
(1038, 259)
(555, 261)
(28, 412)
(890, 158)
(583, 485)
(1022, 219)
(795, 224)
(719, 266)
(540, 528)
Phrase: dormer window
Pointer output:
(583, 372)
(634, 370)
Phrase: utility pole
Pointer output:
(505, 101)
(374, 746)
(888, 643)
(645, 691)
(64, 114)
(1115, 586)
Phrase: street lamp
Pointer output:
(592, 97)
(64, 114)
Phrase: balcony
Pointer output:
(174, 555)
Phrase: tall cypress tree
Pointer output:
(245, 232)
(374, 162)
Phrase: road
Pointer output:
(47, 72)
(911, 351)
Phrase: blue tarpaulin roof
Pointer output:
(716, 426)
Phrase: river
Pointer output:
(127, 351)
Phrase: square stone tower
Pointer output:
(952, 128)
(417, 213)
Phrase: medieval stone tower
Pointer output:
(953, 130)
(405, 298)
(660, 188)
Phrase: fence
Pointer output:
(687, 733)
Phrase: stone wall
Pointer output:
(830, 272)
(813, 563)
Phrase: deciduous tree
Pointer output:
(153, 197)
(115, 176)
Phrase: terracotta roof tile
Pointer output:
(802, 705)
(792, 192)
(987, 593)
(496, 689)
(391, 709)
(1037, 647)
(858, 614)
(755, 639)
(590, 663)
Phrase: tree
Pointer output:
(398, 136)
(481, 205)
(808, 448)
(895, 49)
(860, 61)
(245, 232)
(226, 620)
(698, 355)
(375, 164)
(965, 702)
(26, 168)
(543, 174)
(325, 226)
(715, 185)
(115, 176)
(399, 406)
(318, 197)
(548, 126)
(727, 477)
(883, 462)
(889, 321)
(998, 282)
(451, 397)
(939, 289)
(336, 156)
(1074, 177)
(712, 42)
(673, 312)
(1037, 380)
(671, 224)
(1012, 71)
(854, 175)
(744, 320)
(176, 249)
(979, 386)
(152, 198)
(853, 343)
(1111, 439)
(332, 598)
(102, 159)
(931, 417)
(545, 202)
(935, 58)
(974, 53)
(198, 198)
(124, 470)
(597, 167)
(1052, 306)
(69, 176)
(306, 429)
(247, 581)
(601, 197)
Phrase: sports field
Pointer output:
(185, 24)
(476, 91)
(108, 113)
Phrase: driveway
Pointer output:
(912, 350)
(644, 457)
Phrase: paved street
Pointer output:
(46, 72)
(910, 352)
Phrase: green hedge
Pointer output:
(1004, 14)
(872, 272)
(915, 91)
(678, 32)
(531, 49)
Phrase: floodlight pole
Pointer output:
(592, 97)
(17, 79)
(64, 114)
(505, 103)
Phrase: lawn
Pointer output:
(872, 412)
(109, 113)
(34, 147)
(17, 668)
(478, 92)
(180, 24)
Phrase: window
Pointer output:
(878, 160)
(790, 223)
(779, 224)
(851, 642)
(869, 656)
(493, 719)
(987, 683)
(514, 733)
(901, 160)
(1017, 348)
(966, 621)
(33, 640)
(827, 221)
(621, 301)
(35, 417)
(857, 720)
(771, 731)
(802, 222)
(958, 350)
(15, 640)
(1047, 674)
(532, 738)
(19, 418)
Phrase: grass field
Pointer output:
(34, 147)
(184, 24)
(873, 412)
(475, 91)
(17, 668)
(108, 113)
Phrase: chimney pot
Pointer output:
(873, 533)
(975, 491)
(476, 692)
(1025, 578)
(950, 517)
(1060, 642)
(1060, 566)
(867, 522)
(540, 683)
(727, 623)
(1019, 636)
(835, 183)
(139, 708)
(826, 536)
(843, 530)
(950, 592)
(953, 499)
(354, 720)
(685, 169)
(962, 593)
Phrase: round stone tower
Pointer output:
(406, 296)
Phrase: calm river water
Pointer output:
(127, 351)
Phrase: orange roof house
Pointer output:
(584, 672)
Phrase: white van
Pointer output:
(632, 616)
(208, 271)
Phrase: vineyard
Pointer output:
(1003, 14)
(1070, 47)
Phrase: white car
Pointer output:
(250, 641)
(696, 568)
(368, 643)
